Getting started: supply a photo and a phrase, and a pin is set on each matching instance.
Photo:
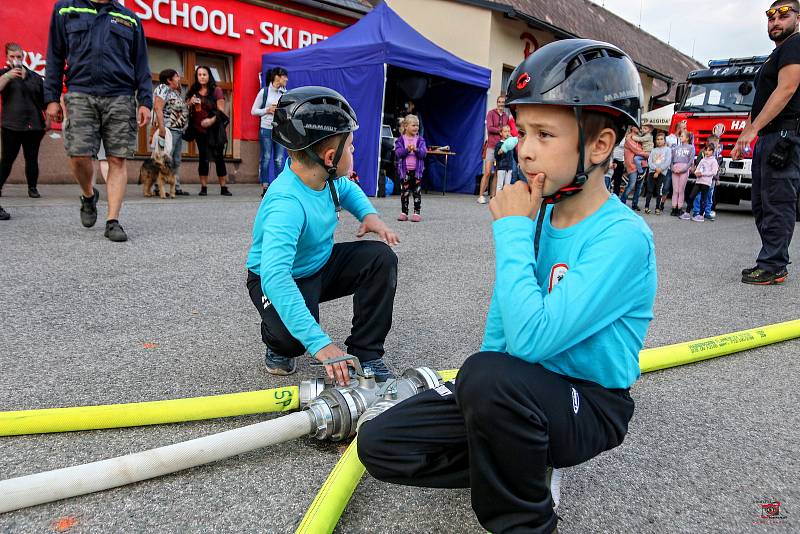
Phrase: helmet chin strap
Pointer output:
(331, 170)
(581, 175)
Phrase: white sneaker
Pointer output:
(713, 214)
(554, 481)
(482, 199)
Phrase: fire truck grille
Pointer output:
(727, 139)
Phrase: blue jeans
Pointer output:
(709, 202)
(639, 161)
(666, 190)
(635, 186)
(272, 155)
(177, 150)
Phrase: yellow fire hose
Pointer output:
(330, 502)
(713, 347)
(148, 413)
(332, 499)
(287, 398)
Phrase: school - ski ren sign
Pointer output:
(201, 19)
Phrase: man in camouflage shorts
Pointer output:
(103, 44)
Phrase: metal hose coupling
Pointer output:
(336, 411)
(422, 377)
(311, 389)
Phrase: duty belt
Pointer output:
(781, 125)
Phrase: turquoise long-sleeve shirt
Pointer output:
(582, 310)
(292, 239)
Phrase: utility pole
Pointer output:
(641, 10)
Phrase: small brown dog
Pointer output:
(155, 172)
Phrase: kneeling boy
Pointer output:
(293, 263)
(550, 387)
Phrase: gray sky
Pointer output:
(718, 29)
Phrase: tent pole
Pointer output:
(380, 129)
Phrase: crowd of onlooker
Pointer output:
(101, 123)
(659, 165)
(105, 120)
(646, 163)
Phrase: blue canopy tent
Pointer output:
(354, 62)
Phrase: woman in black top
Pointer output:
(23, 124)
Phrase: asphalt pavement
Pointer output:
(166, 315)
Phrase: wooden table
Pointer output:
(446, 154)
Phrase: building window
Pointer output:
(162, 58)
(167, 57)
(506, 76)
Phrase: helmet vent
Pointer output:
(573, 65)
(584, 58)
(594, 54)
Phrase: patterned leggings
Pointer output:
(411, 185)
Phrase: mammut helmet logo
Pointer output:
(323, 127)
(523, 80)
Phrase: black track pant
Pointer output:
(12, 141)
(365, 269)
(495, 431)
(697, 188)
(654, 186)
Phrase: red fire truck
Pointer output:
(718, 100)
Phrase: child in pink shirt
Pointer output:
(410, 149)
(706, 170)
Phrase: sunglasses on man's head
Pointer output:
(780, 10)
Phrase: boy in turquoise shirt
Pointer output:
(550, 386)
(293, 263)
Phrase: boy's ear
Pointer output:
(328, 156)
(600, 149)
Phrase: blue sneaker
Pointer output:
(279, 365)
(379, 369)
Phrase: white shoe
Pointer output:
(482, 199)
(713, 214)
(554, 481)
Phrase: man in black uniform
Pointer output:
(109, 93)
(775, 119)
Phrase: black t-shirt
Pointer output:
(23, 102)
(787, 53)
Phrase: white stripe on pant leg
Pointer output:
(555, 487)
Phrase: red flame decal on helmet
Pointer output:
(523, 80)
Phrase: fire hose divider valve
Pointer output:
(336, 411)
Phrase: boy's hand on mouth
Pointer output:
(519, 199)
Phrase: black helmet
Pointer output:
(307, 115)
(581, 74)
